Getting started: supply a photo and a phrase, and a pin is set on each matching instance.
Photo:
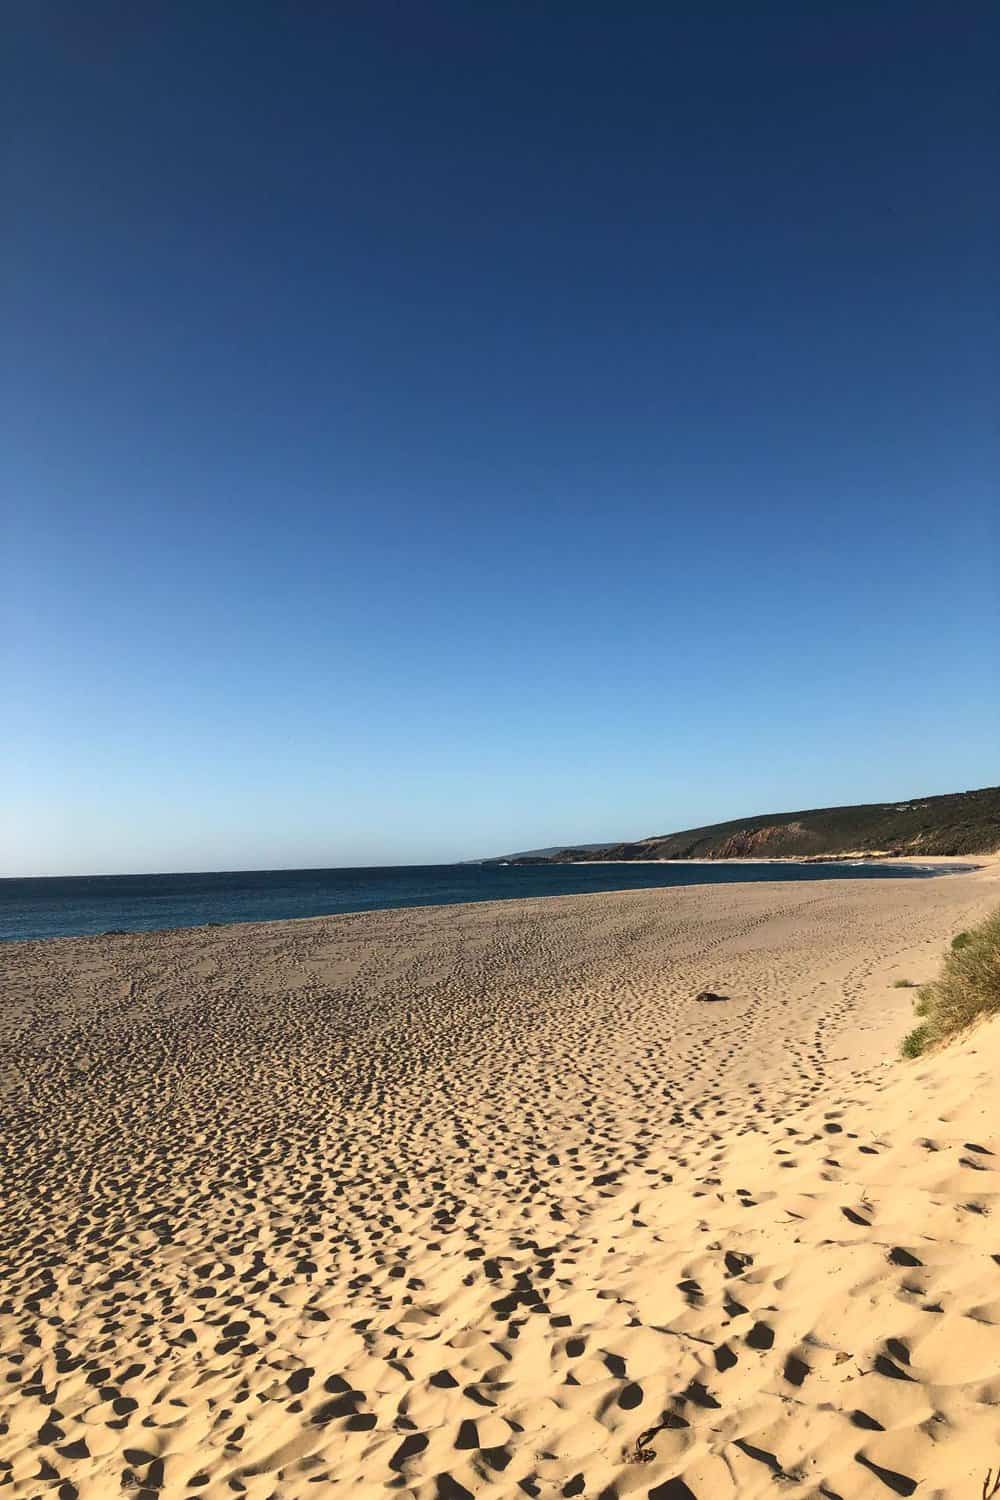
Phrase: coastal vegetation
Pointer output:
(955, 824)
(967, 988)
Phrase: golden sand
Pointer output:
(480, 1200)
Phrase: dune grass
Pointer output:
(967, 987)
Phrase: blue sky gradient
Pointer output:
(437, 430)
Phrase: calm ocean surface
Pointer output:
(59, 907)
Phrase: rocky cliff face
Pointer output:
(764, 842)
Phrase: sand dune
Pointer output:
(481, 1201)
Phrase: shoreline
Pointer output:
(948, 861)
(941, 865)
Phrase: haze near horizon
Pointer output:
(435, 434)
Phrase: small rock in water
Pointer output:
(710, 995)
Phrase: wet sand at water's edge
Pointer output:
(480, 1200)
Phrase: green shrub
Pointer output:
(967, 987)
(914, 1042)
(903, 984)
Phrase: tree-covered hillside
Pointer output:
(960, 823)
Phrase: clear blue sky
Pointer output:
(432, 430)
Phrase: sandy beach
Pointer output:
(481, 1200)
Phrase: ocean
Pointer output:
(71, 906)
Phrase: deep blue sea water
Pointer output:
(65, 907)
